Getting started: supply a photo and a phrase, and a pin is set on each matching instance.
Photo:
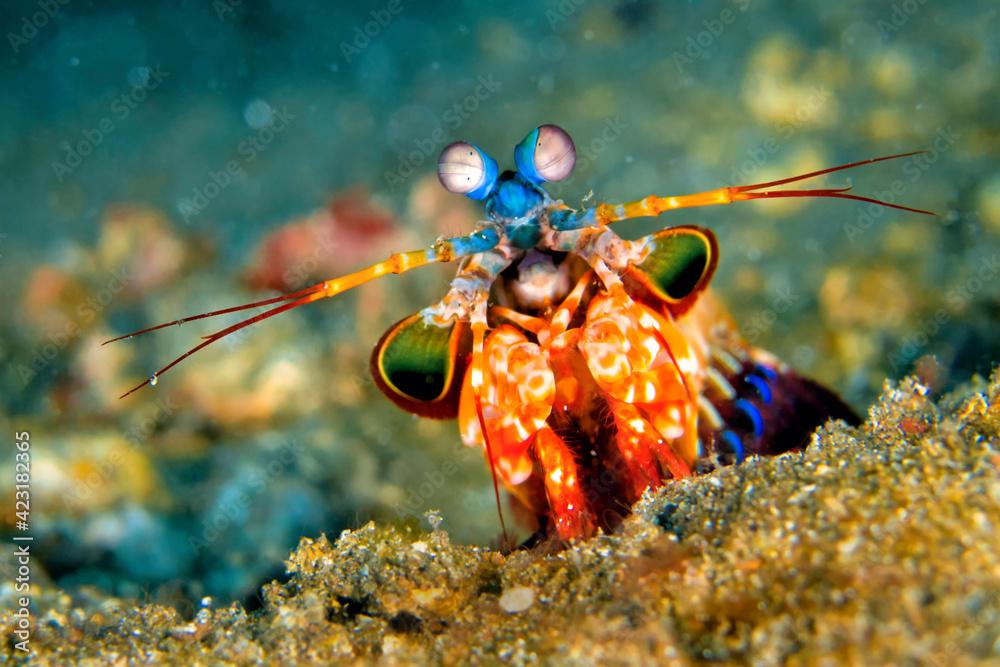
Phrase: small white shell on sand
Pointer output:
(517, 599)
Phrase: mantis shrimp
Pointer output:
(587, 367)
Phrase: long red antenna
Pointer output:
(478, 331)
(743, 192)
(443, 251)
(233, 309)
(828, 170)
(655, 205)
(314, 295)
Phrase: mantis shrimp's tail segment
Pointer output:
(654, 205)
(442, 251)
(755, 405)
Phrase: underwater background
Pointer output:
(161, 159)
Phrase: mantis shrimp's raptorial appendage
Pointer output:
(589, 368)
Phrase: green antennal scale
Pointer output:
(680, 264)
(420, 365)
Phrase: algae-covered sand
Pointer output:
(875, 545)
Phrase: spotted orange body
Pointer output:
(592, 400)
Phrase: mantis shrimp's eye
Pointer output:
(546, 154)
(466, 170)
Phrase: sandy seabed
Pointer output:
(875, 545)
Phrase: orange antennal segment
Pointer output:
(442, 251)
(654, 205)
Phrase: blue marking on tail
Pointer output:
(735, 444)
(767, 372)
(760, 384)
(753, 414)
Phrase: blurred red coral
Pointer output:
(351, 229)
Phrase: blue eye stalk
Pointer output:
(524, 157)
(547, 154)
(466, 169)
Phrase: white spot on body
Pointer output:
(522, 432)
(648, 321)
(652, 346)
(650, 392)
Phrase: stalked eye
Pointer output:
(679, 265)
(419, 365)
(466, 170)
(546, 154)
